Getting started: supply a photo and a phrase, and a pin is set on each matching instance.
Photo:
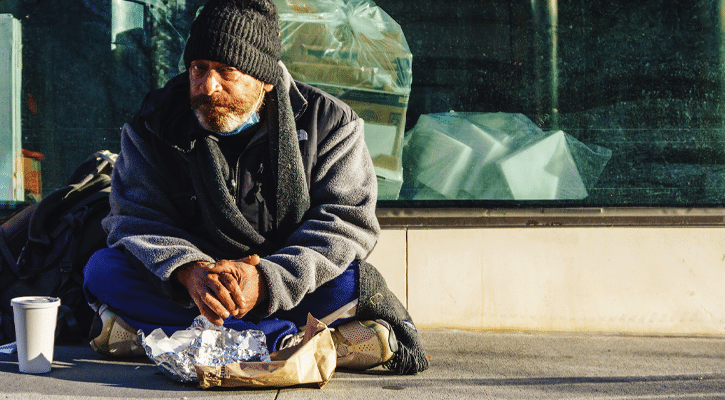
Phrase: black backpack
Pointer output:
(44, 248)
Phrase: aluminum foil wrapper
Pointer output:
(203, 343)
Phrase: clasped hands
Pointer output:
(225, 288)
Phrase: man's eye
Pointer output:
(228, 73)
(197, 70)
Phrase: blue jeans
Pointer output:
(111, 279)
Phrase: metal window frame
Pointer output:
(457, 217)
(11, 160)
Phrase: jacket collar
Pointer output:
(297, 100)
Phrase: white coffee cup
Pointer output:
(35, 320)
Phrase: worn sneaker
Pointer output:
(112, 336)
(364, 344)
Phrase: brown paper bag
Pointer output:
(309, 363)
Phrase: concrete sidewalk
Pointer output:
(464, 365)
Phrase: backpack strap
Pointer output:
(14, 236)
(66, 319)
(7, 254)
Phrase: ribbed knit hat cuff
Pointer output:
(221, 47)
(240, 33)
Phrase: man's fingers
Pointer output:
(251, 260)
(223, 266)
(213, 299)
(235, 290)
(200, 299)
(219, 298)
(222, 288)
(231, 275)
(211, 315)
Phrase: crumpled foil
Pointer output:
(203, 343)
(9, 348)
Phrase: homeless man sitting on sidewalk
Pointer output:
(247, 197)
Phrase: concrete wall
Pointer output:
(662, 280)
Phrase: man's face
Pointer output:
(222, 96)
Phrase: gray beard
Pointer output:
(222, 122)
(223, 118)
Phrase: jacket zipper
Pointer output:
(256, 189)
(235, 181)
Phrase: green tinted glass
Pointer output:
(517, 103)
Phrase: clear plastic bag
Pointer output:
(356, 52)
(351, 43)
(497, 156)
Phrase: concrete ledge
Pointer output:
(656, 280)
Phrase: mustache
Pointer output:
(203, 100)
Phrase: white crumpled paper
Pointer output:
(202, 344)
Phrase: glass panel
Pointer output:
(642, 80)
(86, 66)
(467, 103)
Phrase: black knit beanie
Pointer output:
(241, 33)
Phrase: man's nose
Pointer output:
(211, 82)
